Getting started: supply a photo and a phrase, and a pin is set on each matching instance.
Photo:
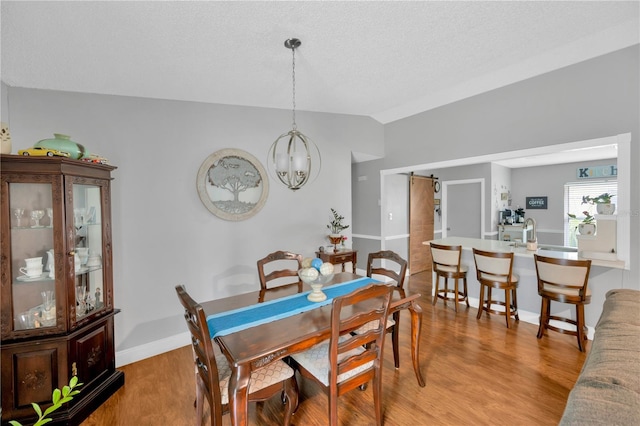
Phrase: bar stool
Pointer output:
(495, 270)
(565, 281)
(446, 264)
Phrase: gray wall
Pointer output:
(365, 178)
(367, 226)
(547, 181)
(163, 234)
(4, 103)
(475, 171)
(524, 182)
(595, 98)
(591, 99)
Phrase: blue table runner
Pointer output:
(228, 322)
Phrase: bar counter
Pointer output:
(604, 276)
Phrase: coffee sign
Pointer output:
(536, 203)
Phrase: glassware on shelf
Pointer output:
(18, 212)
(81, 296)
(36, 215)
(26, 320)
(83, 255)
(98, 295)
(48, 308)
(79, 217)
(50, 265)
(50, 214)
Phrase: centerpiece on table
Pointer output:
(316, 273)
(336, 227)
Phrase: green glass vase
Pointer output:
(65, 144)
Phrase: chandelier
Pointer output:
(293, 157)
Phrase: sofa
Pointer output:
(608, 388)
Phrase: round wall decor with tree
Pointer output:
(232, 184)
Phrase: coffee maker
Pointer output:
(506, 217)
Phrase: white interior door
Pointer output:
(463, 208)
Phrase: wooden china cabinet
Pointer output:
(57, 314)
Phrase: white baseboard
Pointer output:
(138, 353)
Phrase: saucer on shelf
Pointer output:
(27, 279)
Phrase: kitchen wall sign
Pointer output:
(597, 172)
(539, 203)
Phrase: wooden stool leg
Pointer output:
(466, 292)
(507, 307)
(580, 327)
(435, 294)
(455, 295)
(446, 290)
(481, 301)
(544, 317)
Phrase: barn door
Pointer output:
(420, 223)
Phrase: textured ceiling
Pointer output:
(387, 60)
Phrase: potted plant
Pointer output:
(602, 202)
(587, 226)
(336, 227)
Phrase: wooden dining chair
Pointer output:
(495, 270)
(447, 265)
(347, 361)
(279, 269)
(564, 281)
(213, 372)
(394, 269)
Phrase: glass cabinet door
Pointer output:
(88, 250)
(33, 286)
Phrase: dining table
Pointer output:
(251, 348)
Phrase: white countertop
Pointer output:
(508, 246)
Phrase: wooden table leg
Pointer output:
(238, 395)
(416, 326)
(355, 261)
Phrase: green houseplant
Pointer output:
(58, 398)
(336, 227)
(602, 202)
(587, 226)
(600, 199)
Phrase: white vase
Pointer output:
(587, 228)
(5, 140)
(606, 209)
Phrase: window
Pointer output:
(573, 193)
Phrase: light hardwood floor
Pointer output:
(477, 372)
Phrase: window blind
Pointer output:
(573, 193)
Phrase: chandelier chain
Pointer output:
(293, 78)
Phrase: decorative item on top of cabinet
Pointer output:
(59, 322)
(63, 143)
(5, 139)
